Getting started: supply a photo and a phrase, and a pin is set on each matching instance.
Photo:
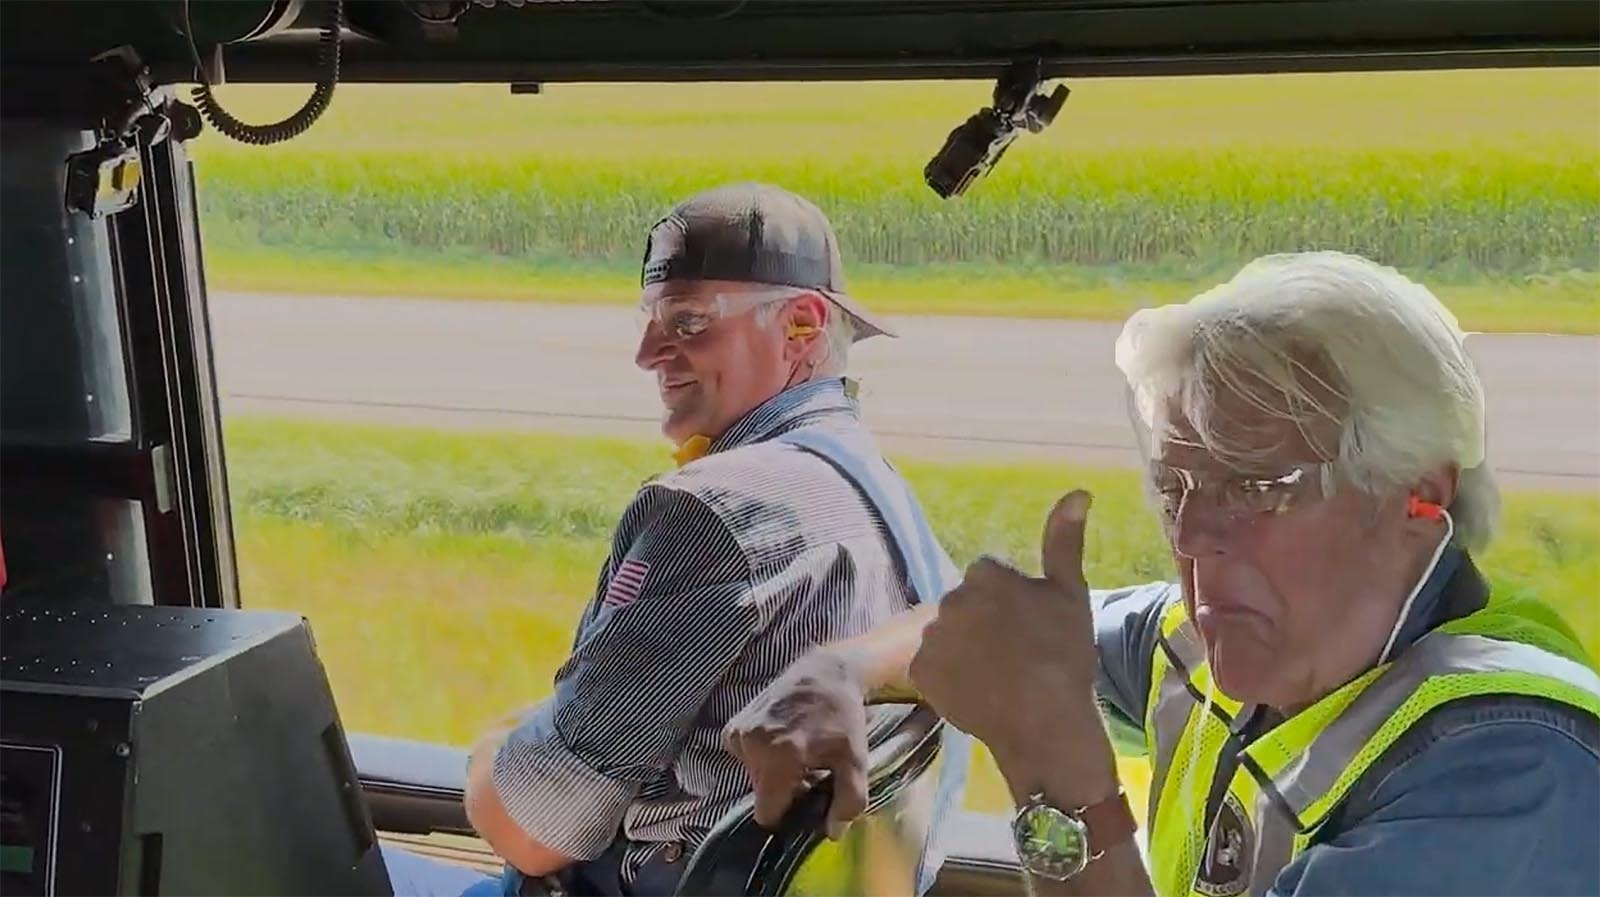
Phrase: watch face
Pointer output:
(1050, 843)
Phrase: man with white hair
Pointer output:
(782, 526)
(1330, 700)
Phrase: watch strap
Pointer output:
(1110, 822)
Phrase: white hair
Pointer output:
(1323, 338)
(840, 332)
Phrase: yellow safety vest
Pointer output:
(1290, 779)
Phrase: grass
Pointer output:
(1485, 181)
(444, 573)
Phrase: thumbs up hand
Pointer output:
(1061, 551)
(1008, 651)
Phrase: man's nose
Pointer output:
(654, 347)
(1200, 528)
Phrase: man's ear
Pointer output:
(1436, 487)
(1439, 485)
(804, 320)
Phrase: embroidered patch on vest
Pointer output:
(1230, 851)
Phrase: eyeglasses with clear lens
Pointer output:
(684, 317)
(1237, 497)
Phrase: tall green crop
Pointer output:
(1495, 212)
(1479, 172)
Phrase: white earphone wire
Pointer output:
(1405, 609)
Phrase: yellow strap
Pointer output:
(693, 449)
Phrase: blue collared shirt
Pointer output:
(1492, 795)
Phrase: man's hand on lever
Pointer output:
(814, 718)
(1011, 660)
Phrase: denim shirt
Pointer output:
(1496, 794)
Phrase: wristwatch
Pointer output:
(1058, 844)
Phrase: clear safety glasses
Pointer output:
(686, 316)
(1238, 498)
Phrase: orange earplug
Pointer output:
(1418, 506)
(796, 331)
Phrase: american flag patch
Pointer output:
(624, 586)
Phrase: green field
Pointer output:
(444, 573)
(1484, 183)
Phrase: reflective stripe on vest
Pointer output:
(1181, 656)
(1293, 776)
(1321, 764)
(1170, 706)
(931, 575)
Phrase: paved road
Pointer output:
(950, 387)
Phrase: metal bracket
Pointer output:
(1020, 104)
(105, 180)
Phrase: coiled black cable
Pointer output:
(321, 95)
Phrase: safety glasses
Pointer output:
(687, 316)
(1238, 498)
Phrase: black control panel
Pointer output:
(30, 816)
(152, 750)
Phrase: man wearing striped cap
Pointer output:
(782, 527)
